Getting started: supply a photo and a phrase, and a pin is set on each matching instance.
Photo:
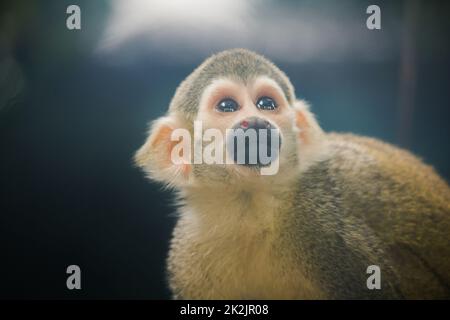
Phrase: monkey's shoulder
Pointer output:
(362, 160)
(386, 188)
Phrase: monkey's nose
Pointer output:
(254, 142)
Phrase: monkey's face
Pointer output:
(233, 120)
(206, 149)
(256, 127)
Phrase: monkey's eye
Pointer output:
(266, 103)
(227, 105)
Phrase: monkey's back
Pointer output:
(370, 203)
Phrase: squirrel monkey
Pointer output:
(338, 203)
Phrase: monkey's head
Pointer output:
(233, 119)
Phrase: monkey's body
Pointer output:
(315, 237)
(336, 204)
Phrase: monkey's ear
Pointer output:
(310, 136)
(155, 156)
(306, 125)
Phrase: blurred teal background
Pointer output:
(74, 107)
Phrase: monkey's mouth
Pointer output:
(254, 142)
